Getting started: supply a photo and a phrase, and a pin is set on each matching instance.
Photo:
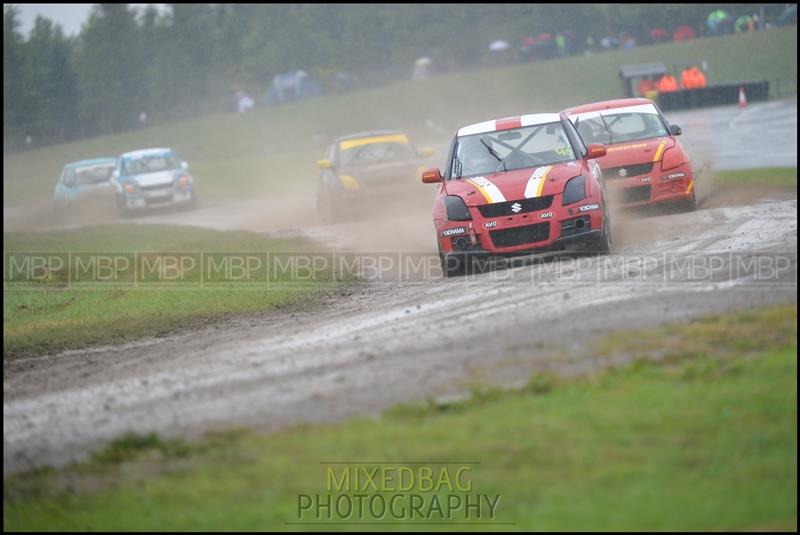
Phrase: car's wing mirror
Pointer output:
(432, 176)
(675, 130)
(185, 165)
(426, 152)
(595, 150)
(324, 164)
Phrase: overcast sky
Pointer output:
(70, 16)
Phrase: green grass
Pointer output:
(271, 149)
(778, 177)
(700, 441)
(49, 314)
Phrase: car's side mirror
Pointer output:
(675, 130)
(432, 176)
(595, 150)
(185, 165)
(426, 152)
(324, 164)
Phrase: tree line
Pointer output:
(188, 59)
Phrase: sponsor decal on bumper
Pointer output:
(589, 207)
(454, 231)
(673, 176)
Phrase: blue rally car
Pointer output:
(83, 183)
(152, 178)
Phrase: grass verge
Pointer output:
(705, 439)
(118, 282)
(775, 177)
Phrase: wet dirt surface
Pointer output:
(397, 340)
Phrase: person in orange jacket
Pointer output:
(667, 83)
(646, 85)
(693, 78)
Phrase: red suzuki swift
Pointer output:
(519, 185)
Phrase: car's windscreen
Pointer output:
(151, 163)
(620, 125)
(507, 150)
(93, 174)
(372, 152)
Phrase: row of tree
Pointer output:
(186, 59)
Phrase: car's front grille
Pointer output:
(500, 209)
(168, 185)
(520, 235)
(636, 194)
(627, 170)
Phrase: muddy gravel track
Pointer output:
(395, 341)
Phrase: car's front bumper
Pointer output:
(655, 187)
(554, 228)
(144, 201)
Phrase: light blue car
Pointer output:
(84, 183)
(152, 178)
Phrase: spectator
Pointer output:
(683, 33)
(658, 35)
(745, 23)
(646, 84)
(693, 78)
(243, 102)
(667, 84)
(561, 44)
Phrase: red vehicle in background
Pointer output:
(645, 163)
(519, 185)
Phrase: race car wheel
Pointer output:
(690, 204)
(605, 244)
(452, 266)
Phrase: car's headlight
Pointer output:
(673, 157)
(183, 181)
(456, 208)
(574, 191)
(130, 188)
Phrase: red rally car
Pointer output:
(645, 164)
(519, 185)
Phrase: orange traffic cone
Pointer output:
(742, 97)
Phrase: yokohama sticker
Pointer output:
(588, 207)
(452, 231)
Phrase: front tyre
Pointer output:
(605, 243)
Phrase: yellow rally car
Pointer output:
(365, 167)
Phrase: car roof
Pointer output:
(508, 122)
(145, 152)
(371, 133)
(92, 161)
(607, 105)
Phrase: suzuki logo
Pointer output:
(623, 172)
(516, 207)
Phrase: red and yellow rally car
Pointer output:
(519, 184)
(645, 164)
